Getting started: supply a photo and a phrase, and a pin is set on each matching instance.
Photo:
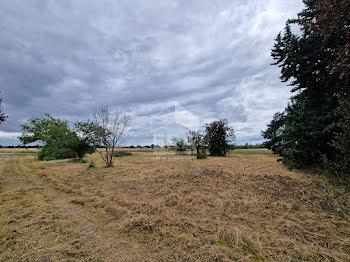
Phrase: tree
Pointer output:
(339, 166)
(179, 144)
(56, 135)
(60, 141)
(86, 139)
(304, 132)
(332, 22)
(59, 145)
(113, 129)
(219, 134)
(40, 129)
(2, 114)
(197, 141)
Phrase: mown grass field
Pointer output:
(157, 207)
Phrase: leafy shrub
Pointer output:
(179, 144)
(201, 155)
(47, 158)
(52, 151)
(60, 141)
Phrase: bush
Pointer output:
(52, 151)
(48, 158)
(179, 144)
(201, 155)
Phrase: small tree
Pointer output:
(179, 144)
(219, 134)
(197, 141)
(274, 133)
(56, 135)
(59, 145)
(113, 129)
(86, 138)
(60, 141)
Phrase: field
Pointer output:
(157, 207)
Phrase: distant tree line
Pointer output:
(314, 129)
(21, 146)
(248, 146)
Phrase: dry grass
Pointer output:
(18, 150)
(158, 207)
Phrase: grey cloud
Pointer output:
(212, 57)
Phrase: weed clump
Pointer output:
(79, 160)
(201, 155)
(92, 164)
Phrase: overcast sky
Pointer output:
(168, 63)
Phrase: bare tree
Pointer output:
(113, 130)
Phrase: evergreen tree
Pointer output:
(304, 132)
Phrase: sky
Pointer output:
(172, 65)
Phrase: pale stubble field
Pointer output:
(163, 207)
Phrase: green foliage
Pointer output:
(197, 141)
(60, 141)
(219, 134)
(179, 144)
(41, 129)
(274, 133)
(201, 154)
(56, 135)
(339, 165)
(248, 146)
(306, 132)
(86, 142)
(79, 160)
(58, 146)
